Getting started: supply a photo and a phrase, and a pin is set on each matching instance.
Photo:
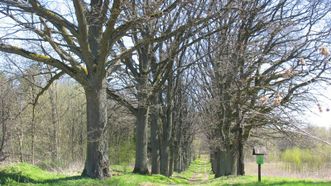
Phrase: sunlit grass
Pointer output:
(252, 181)
(26, 174)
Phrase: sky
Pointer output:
(317, 118)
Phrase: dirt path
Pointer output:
(202, 173)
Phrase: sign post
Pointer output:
(259, 152)
(259, 161)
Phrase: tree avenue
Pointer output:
(77, 39)
(260, 65)
(80, 39)
(219, 70)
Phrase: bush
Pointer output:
(302, 159)
(123, 154)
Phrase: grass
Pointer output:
(26, 174)
(197, 174)
(198, 166)
(271, 181)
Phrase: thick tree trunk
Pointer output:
(141, 140)
(226, 163)
(142, 123)
(213, 161)
(167, 132)
(171, 161)
(241, 155)
(177, 157)
(96, 163)
(217, 159)
(154, 138)
(164, 158)
(189, 156)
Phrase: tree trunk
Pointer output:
(33, 136)
(241, 155)
(226, 163)
(96, 163)
(164, 158)
(54, 128)
(154, 138)
(21, 138)
(167, 132)
(239, 139)
(142, 117)
(213, 161)
(177, 157)
(141, 140)
(171, 161)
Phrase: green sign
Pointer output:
(259, 159)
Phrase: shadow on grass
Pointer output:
(181, 177)
(4, 177)
(17, 177)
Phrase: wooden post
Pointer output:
(259, 152)
(259, 173)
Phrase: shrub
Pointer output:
(302, 159)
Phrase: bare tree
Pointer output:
(262, 62)
(77, 40)
(154, 64)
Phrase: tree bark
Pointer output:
(54, 128)
(33, 136)
(96, 163)
(141, 127)
(226, 163)
(141, 140)
(171, 161)
(154, 137)
(164, 157)
(177, 156)
(167, 132)
(142, 113)
(241, 155)
(213, 161)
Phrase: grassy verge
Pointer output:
(197, 174)
(26, 174)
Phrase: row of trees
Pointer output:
(259, 67)
(224, 68)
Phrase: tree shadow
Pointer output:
(181, 177)
(5, 177)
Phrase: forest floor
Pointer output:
(198, 173)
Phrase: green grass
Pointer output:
(197, 166)
(26, 174)
(272, 181)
